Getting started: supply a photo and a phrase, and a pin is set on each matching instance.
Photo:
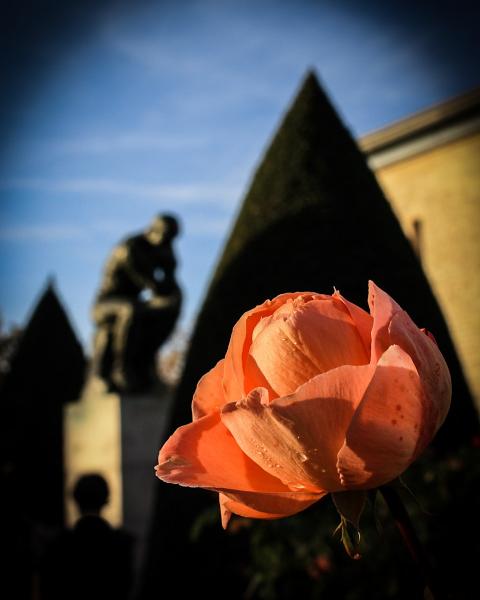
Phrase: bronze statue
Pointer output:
(136, 307)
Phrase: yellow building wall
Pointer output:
(441, 189)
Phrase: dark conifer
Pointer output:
(46, 371)
(314, 218)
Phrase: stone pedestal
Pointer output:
(143, 419)
(92, 445)
(117, 436)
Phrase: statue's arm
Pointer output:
(141, 275)
(166, 263)
(169, 264)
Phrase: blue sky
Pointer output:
(160, 108)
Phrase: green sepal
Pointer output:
(374, 496)
(350, 537)
(350, 505)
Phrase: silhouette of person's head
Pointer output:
(91, 494)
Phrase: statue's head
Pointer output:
(163, 228)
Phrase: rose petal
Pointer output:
(254, 378)
(297, 438)
(229, 506)
(204, 454)
(382, 309)
(278, 505)
(240, 341)
(209, 395)
(362, 320)
(431, 366)
(277, 359)
(384, 434)
(225, 512)
(314, 337)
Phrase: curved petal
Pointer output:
(297, 438)
(265, 506)
(362, 320)
(276, 361)
(254, 378)
(240, 341)
(315, 336)
(382, 309)
(229, 506)
(431, 367)
(385, 432)
(209, 396)
(205, 454)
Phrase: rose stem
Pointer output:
(410, 539)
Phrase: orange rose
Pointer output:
(313, 396)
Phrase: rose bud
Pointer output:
(313, 396)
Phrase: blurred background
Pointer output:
(112, 112)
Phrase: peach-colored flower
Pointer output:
(313, 396)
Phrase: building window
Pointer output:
(416, 237)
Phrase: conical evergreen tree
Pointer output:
(314, 218)
(46, 371)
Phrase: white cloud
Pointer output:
(100, 144)
(41, 233)
(217, 78)
(201, 226)
(222, 194)
(207, 225)
(154, 56)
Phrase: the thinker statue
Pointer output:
(136, 307)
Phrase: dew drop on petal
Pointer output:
(296, 486)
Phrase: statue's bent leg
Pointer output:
(121, 331)
(103, 317)
(100, 343)
(113, 318)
